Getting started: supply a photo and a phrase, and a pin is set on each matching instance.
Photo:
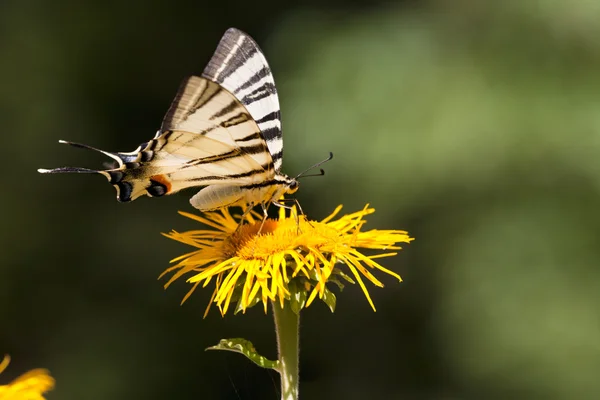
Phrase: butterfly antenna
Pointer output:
(302, 174)
(321, 173)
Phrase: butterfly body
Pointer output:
(222, 132)
(217, 196)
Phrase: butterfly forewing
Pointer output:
(239, 66)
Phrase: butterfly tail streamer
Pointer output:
(125, 178)
(120, 158)
(68, 170)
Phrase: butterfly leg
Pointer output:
(265, 216)
(249, 208)
(297, 203)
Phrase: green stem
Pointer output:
(286, 326)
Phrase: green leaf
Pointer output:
(237, 292)
(312, 275)
(337, 282)
(297, 296)
(329, 299)
(245, 347)
(337, 271)
(254, 301)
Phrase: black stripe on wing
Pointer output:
(265, 90)
(254, 79)
(233, 176)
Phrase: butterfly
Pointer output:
(222, 132)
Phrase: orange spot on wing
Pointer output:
(163, 180)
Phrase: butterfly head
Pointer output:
(284, 185)
(292, 186)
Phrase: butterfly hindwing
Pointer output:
(204, 107)
(208, 138)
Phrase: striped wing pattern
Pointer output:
(203, 114)
(210, 139)
(239, 66)
(222, 129)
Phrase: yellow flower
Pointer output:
(29, 386)
(291, 259)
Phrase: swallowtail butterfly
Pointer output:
(222, 131)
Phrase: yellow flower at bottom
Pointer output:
(29, 386)
(290, 259)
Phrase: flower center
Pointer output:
(244, 242)
(278, 236)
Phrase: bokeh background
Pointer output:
(473, 124)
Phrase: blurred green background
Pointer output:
(475, 125)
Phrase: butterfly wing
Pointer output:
(240, 66)
(221, 129)
(204, 108)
